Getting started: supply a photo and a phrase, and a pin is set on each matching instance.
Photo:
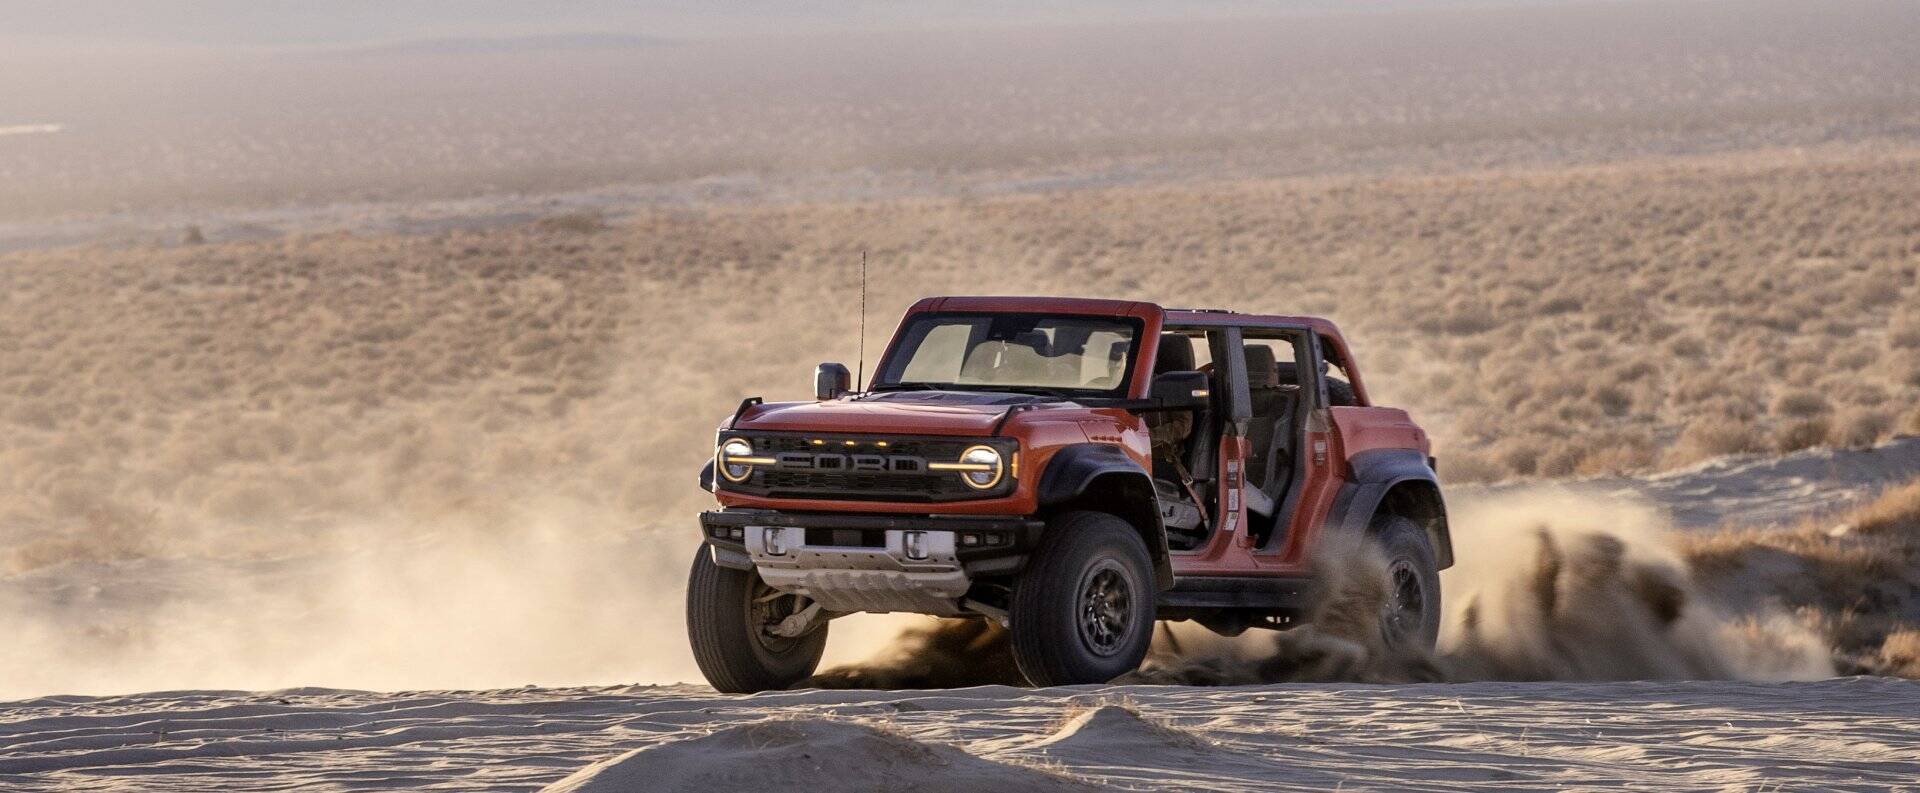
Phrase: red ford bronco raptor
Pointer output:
(1073, 469)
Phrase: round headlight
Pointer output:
(983, 467)
(730, 451)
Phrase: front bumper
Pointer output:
(852, 562)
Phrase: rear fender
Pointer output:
(1103, 478)
(1399, 481)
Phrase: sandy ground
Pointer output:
(1843, 734)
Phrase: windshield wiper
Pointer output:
(908, 387)
(1033, 390)
(1030, 390)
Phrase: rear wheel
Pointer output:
(730, 614)
(1410, 617)
(1082, 611)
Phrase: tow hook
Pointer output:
(797, 623)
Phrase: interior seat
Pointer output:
(1176, 356)
(1024, 359)
(1339, 392)
(1275, 392)
(1116, 366)
(1204, 444)
(1263, 386)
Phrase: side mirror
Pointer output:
(831, 381)
(1180, 390)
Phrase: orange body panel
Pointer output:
(1369, 428)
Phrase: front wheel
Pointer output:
(1082, 611)
(729, 616)
(1410, 617)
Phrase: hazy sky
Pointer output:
(336, 22)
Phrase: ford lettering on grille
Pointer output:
(854, 463)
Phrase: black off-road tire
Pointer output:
(733, 651)
(1083, 610)
(1411, 615)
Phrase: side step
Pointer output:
(1261, 593)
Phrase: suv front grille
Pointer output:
(905, 456)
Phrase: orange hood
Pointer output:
(903, 413)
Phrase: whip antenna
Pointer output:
(861, 383)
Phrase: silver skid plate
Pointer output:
(862, 579)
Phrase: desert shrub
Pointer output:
(1461, 322)
(1895, 510)
(1906, 367)
(1715, 436)
(572, 223)
(1851, 390)
(1860, 428)
(1561, 459)
(1686, 347)
(1520, 456)
(1564, 304)
(1698, 387)
(1833, 328)
(1802, 434)
(1588, 342)
(1612, 455)
(1800, 404)
(1658, 332)
(1613, 400)
(1634, 371)
(1903, 333)
(1855, 359)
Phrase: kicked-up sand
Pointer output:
(1838, 734)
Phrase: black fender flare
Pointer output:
(1101, 476)
(1401, 479)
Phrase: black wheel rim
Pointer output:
(1403, 616)
(1105, 609)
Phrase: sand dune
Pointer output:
(806, 754)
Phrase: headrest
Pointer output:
(1286, 373)
(1176, 354)
(1261, 370)
(1034, 340)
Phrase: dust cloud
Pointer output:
(417, 609)
(1559, 586)
(1549, 585)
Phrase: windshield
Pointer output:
(1028, 353)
